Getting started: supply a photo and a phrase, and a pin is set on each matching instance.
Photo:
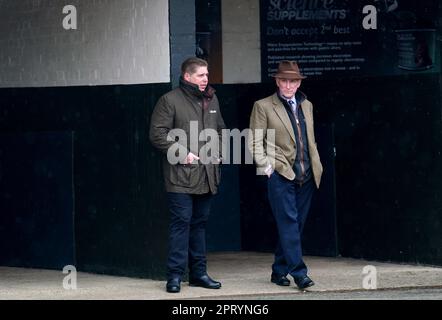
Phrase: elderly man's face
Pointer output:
(288, 87)
(200, 77)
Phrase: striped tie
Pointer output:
(293, 107)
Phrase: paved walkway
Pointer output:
(241, 273)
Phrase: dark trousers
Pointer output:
(290, 203)
(187, 233)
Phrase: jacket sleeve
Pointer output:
(257, 136)
(161, 124)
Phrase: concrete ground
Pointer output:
(244, 274)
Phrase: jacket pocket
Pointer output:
(184, 175)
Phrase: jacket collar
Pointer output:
(278, 106)
(192, 89)
(282, 114)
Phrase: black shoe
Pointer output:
(280, 279)
(204, 281)
(173, 285)
(304, 282)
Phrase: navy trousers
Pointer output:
(187, 233)
(290, 203)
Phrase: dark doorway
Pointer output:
(209, 37)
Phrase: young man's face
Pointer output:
(200, 77)
(288, 87)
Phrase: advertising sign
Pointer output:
(331, 38)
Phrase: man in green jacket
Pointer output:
(181, 124)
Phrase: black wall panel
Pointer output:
(120, 211)
(388, 165)
(36, 200)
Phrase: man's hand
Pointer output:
(217, 160)
(190, 158)
(269, 170)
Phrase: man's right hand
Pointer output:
(269, 170)
(190, 158)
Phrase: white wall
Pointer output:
(241, 41)
(117, 42)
